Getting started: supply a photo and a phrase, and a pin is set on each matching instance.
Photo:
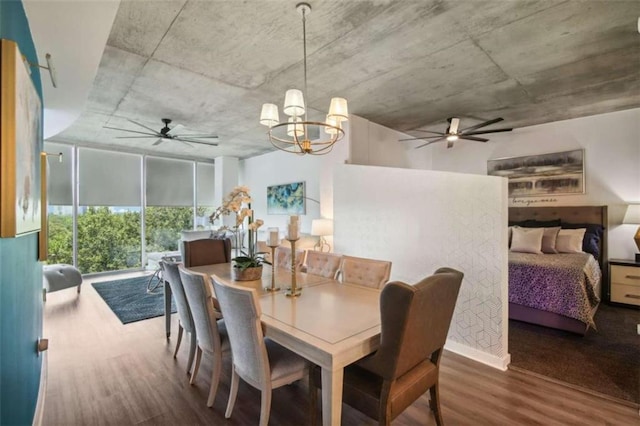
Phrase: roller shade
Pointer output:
(59, 177)
(109, 178)
(169, 182)
(204, 184)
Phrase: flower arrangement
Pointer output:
(233, 203)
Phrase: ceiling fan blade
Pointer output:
(477, 126)
(158, 142)
(422, 138)
(472, 138)
(453, 128)
(136, 137)
(185, 140)
(429, 143)
(175, 130)
(185, 135)
(132, 131)
(427, 131)
(142, 125)
(483, 132)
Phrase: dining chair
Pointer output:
(366, 272)
(283, 258)
(171, 274)
(207, 251)
(323, 264)
(415, 321)
(211, 333)
(259, 361)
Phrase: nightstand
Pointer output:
(624, 281)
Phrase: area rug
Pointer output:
(605, 361)
(129, 300)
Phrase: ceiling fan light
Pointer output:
(452, 138)
(294, 103)
(332, 121)
(269, 115)
(294, 129)
(338, 109)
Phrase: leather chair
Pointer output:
(259, 361)
(323, 264)
(211, 333)
(414, 325)
(171, 274)
(207, 251)
(283, 258)
(365, 272)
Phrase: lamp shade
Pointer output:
(632, 216)
(322, 227)
(331, 121)
(294, 103)
(269, 115)
(295, 129)
(338, 109)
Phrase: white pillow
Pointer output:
(570, 240)
(527, 240)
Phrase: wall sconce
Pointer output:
(49, 67)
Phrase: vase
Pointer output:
(246, 274)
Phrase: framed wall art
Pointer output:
(286, 199)
(20, 134)
(559, 173)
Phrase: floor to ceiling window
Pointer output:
(107, 188)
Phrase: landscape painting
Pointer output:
(286, 199)
(559, 173)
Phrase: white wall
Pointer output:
(422, 220)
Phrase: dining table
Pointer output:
(331, 324)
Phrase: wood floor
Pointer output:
(103, 372)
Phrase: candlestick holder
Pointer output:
(273, 271)
(293, 291)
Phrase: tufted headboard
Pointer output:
(570, 214)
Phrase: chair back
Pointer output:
(323, 264)
(171, 274)
(197, 288)
(283, 258)
(242, 318)
(365, 272)
(207, 251)
(414, 322)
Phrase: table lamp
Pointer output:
(632, 217)
(322, 228)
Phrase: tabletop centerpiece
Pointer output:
(248, 265)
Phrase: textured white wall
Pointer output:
(422, 220)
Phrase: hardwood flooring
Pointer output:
(102, 372)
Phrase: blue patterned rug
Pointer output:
(129, 300)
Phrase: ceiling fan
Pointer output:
(453, 133)
(167, 133)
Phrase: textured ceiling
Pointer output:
(210, 65)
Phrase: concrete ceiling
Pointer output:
(210, 65)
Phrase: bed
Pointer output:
(560, 291)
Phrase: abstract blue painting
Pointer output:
(286, 199)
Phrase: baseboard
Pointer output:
(494, 361)
(38, 416)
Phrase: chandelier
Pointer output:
(293, 135)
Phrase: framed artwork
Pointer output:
(286, 199)
(559, 173)
(20, 134)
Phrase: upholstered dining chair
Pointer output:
(415, 321)
(283, 258)
(323, 264)
(259, 361)
(365, 272)
(211, 333)
(171, 274)
(207, 251)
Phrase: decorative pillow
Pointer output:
(549, 237)
(592, 237)
(527, 240)
(570, 240)
(531, 223)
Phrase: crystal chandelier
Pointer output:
(293, 135)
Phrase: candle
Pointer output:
(273, 237)
(293, 219)
(292, 231)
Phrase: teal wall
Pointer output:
(20, 278)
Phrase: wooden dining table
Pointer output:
(331, 324)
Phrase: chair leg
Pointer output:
(180, 331)
(233, 392)
(215, 377)
(196, 366)
(265, 406)
(192, 351)
(435, 404)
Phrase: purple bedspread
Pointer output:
(559, 283)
